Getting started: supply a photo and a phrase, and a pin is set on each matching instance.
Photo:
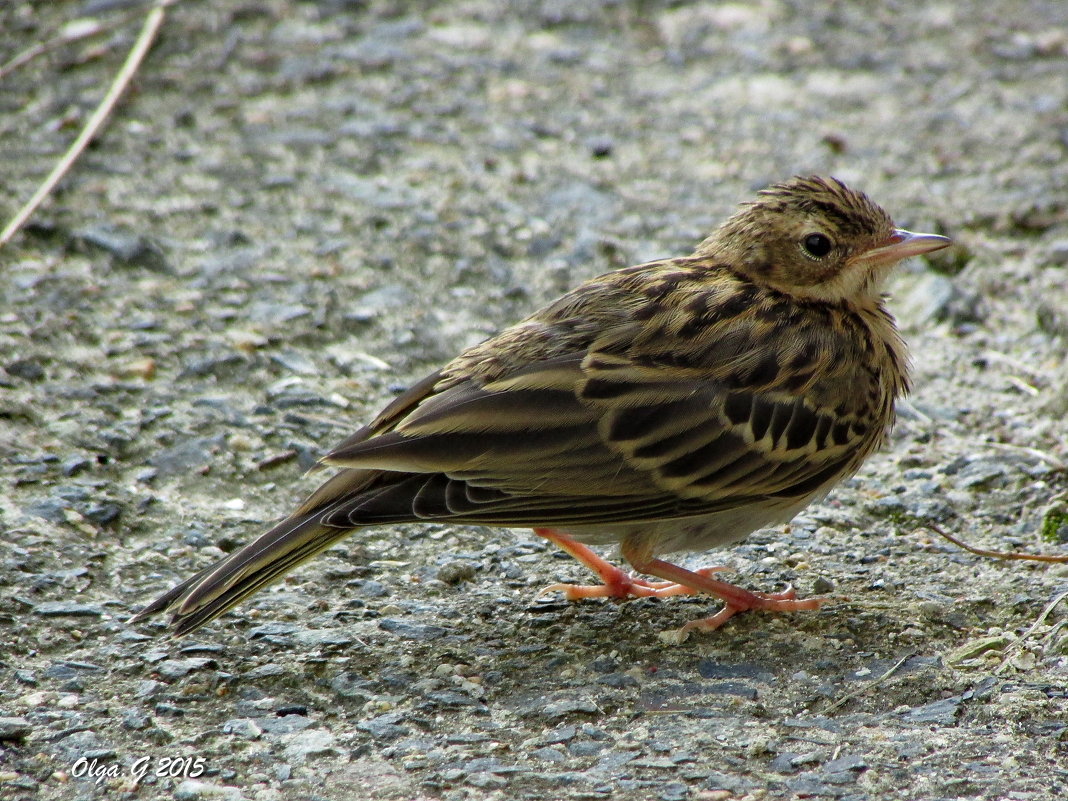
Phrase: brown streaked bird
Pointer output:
(674, 406)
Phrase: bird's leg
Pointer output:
(617, 583)
(639, 553)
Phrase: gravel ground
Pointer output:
(301, 207)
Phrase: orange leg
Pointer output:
(617, 583)
(678, 581)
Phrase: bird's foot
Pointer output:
(616, 583)
(620, 584)
(742, 601)
(676, 581)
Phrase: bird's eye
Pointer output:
(816, 245)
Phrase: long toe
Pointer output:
(786, 601)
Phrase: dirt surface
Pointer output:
(300, 208)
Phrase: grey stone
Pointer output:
(53, 510)
(710, 669)
(277, 314)
(674, 791)
(351, 685)
(27, 369)
(295, 362)
(126, 247)
(942, 712)
(486, 781)
(562, 707)
(246, 728)
(103, 514)
(738, 785)
(274, 629)
(67, 609)
(264, 672)
(1058, 253)
(982, 473)
(174, 669)
(322, 638)
(186, 456)
(585, 748)
(385, 727)
(221, 366)
(75, 466)
(812, 784)
(136, 720)
(12, 728)
(844, 763)
(561, 734)
(195, 790)
(785, 762)
(548, 754)
(450, 698)
(411, 631)
(369, 588)
(618, 680)
(311, 743)
(284, 725)
(456, 571)
(735, 688)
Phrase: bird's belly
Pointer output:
(701, 533)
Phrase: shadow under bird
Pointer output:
(677, 405)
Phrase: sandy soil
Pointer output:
(302, 207)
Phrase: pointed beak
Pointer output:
(902, 245)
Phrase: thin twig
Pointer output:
(72, 32)
(1017, 644)
(845, 699)
(1047, 641)
(1042, 456)
(1028, 557)
(137, 53)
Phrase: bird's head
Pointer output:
(815, 238)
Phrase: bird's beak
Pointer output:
(903, 244)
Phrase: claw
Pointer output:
(678, 581)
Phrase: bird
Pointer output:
(673, 406)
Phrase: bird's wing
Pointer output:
(586, 439)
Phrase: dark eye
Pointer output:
(817, 245)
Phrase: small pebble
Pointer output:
(193, 790)
(14, 728)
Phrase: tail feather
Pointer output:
(263, 561)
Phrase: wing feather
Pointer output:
(536, 448)
(616, 426)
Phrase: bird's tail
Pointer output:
(263, 561)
